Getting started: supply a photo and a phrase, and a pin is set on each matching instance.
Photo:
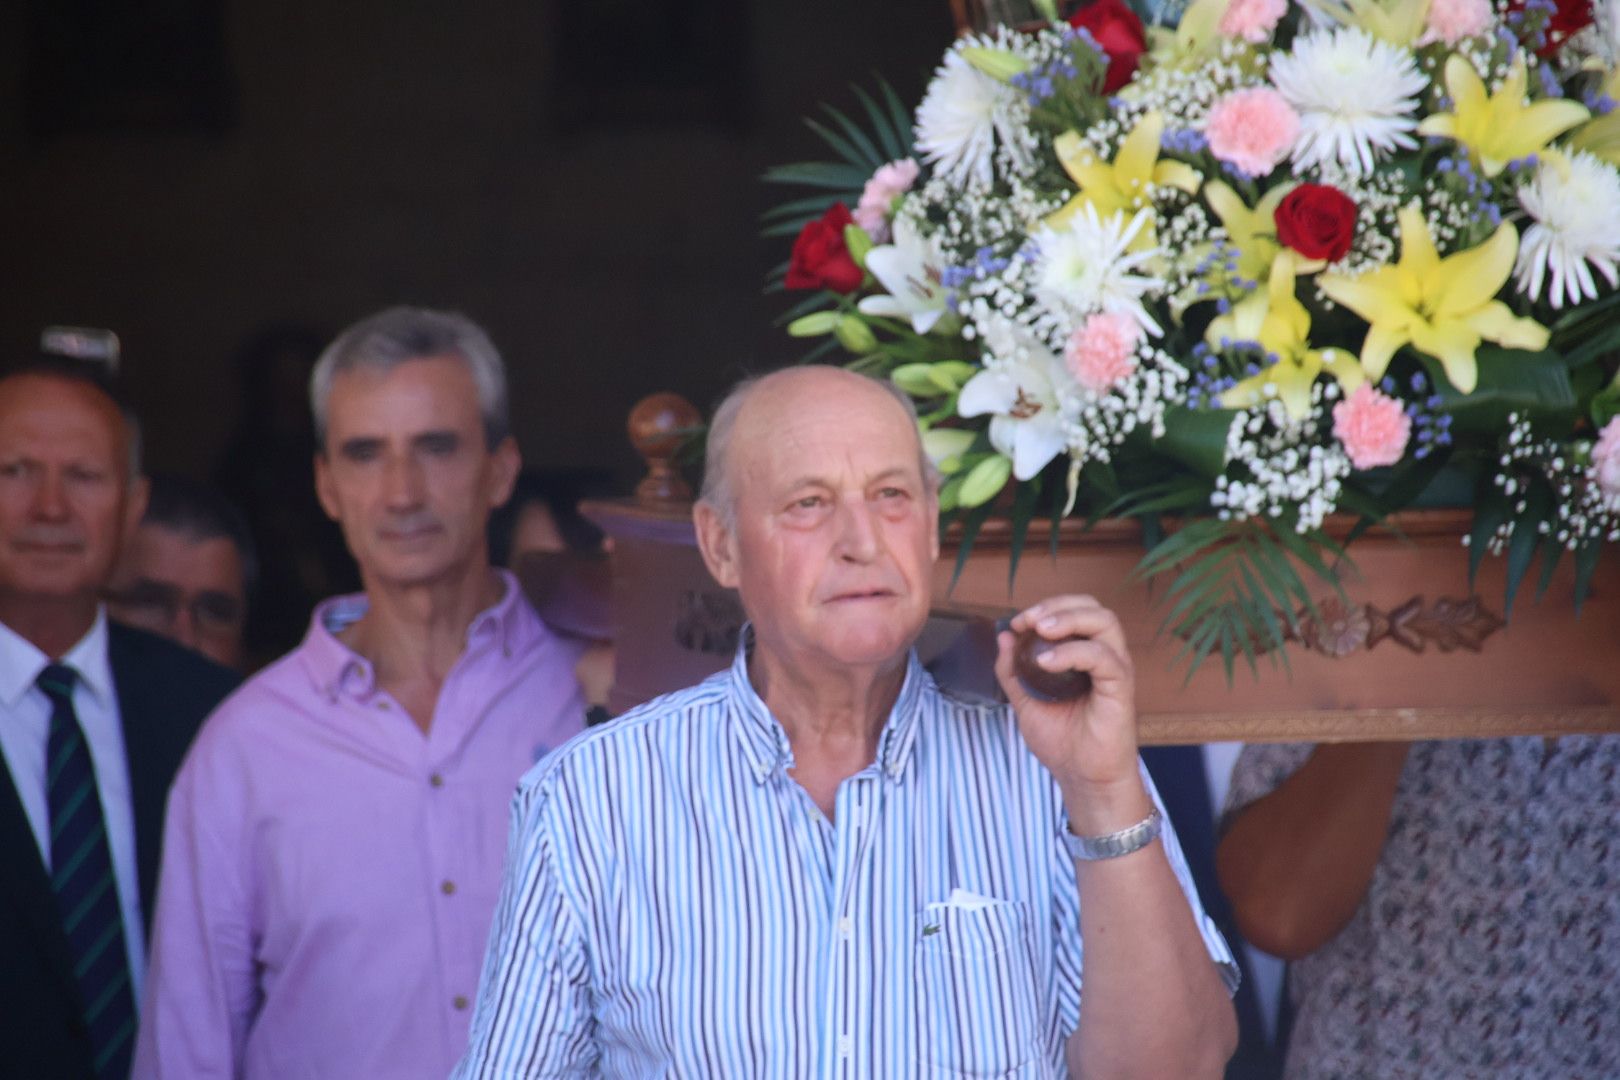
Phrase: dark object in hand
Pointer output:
(1042, 684)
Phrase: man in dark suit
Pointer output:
(94, 719)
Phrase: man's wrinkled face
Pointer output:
(188, 589)
(836, 525)
(407, 473)
(66, 497)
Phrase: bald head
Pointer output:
(753, 412)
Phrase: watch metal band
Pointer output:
(1113, 845)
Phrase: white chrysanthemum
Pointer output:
(1574, 202)
(1087, 266)
(1606, 22)
(1356, 97)
(960, 117)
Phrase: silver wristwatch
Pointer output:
(1113, 845)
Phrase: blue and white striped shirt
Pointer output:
(676, 905)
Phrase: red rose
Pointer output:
(820, 260)
(1116, 28)
(1568, 17)
(1316, 220)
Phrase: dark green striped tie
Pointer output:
(86, 891)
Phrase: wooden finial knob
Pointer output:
(658, 425)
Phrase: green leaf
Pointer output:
(1586, 560)
(1197, 438)
(859, 139)
(1551, 552)
(806, 209)
(984, 481)
(1176, 494)
(899, 115)
(844, 148)
(1023, 509)
(1538, 507)
(1305, 550)
(1534, 384)
(823, 174)
(788, 227)
(894, 139)
(970, 532)
(1605, 405)
(1490, 512)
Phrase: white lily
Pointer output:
(1019, 390)
(907, 270)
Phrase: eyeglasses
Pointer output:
(156, 605)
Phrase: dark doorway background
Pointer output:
(583, 179)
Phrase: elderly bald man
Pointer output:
(817, 863)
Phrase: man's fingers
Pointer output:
(1091, 655)
(1071, 616)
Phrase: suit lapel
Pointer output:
(25, 884)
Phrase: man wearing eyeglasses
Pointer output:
(187, 571)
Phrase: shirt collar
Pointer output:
(765, 743)
(21, 662)
(337, 669)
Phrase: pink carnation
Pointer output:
(1252, 129)
(1606, 457)
(1452, 20)
(1251, 20)
(877, 200)
(1372, 426)
(1103, 351)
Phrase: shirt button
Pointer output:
(459, 1001)
(845, 1045)
(448, 888)
(436, 780)
(846, 927)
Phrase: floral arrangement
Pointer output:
(1228, 277)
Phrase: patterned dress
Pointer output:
(1488, 944)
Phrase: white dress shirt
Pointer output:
(25, 726)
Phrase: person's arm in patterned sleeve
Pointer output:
(1296, 863)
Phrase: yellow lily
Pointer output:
(1442, 307)
(1252, 232)
(1122, 184)
(1499, 128)
(1399, 22)
(1196, 39)
(1600, 136)
(1275, 318)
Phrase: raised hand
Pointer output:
(1088, 744)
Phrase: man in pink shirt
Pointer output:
(335, 838)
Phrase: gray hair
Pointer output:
(383, 341)
(718, 490)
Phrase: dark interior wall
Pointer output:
(401, 151)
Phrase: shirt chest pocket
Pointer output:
(978, 995)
